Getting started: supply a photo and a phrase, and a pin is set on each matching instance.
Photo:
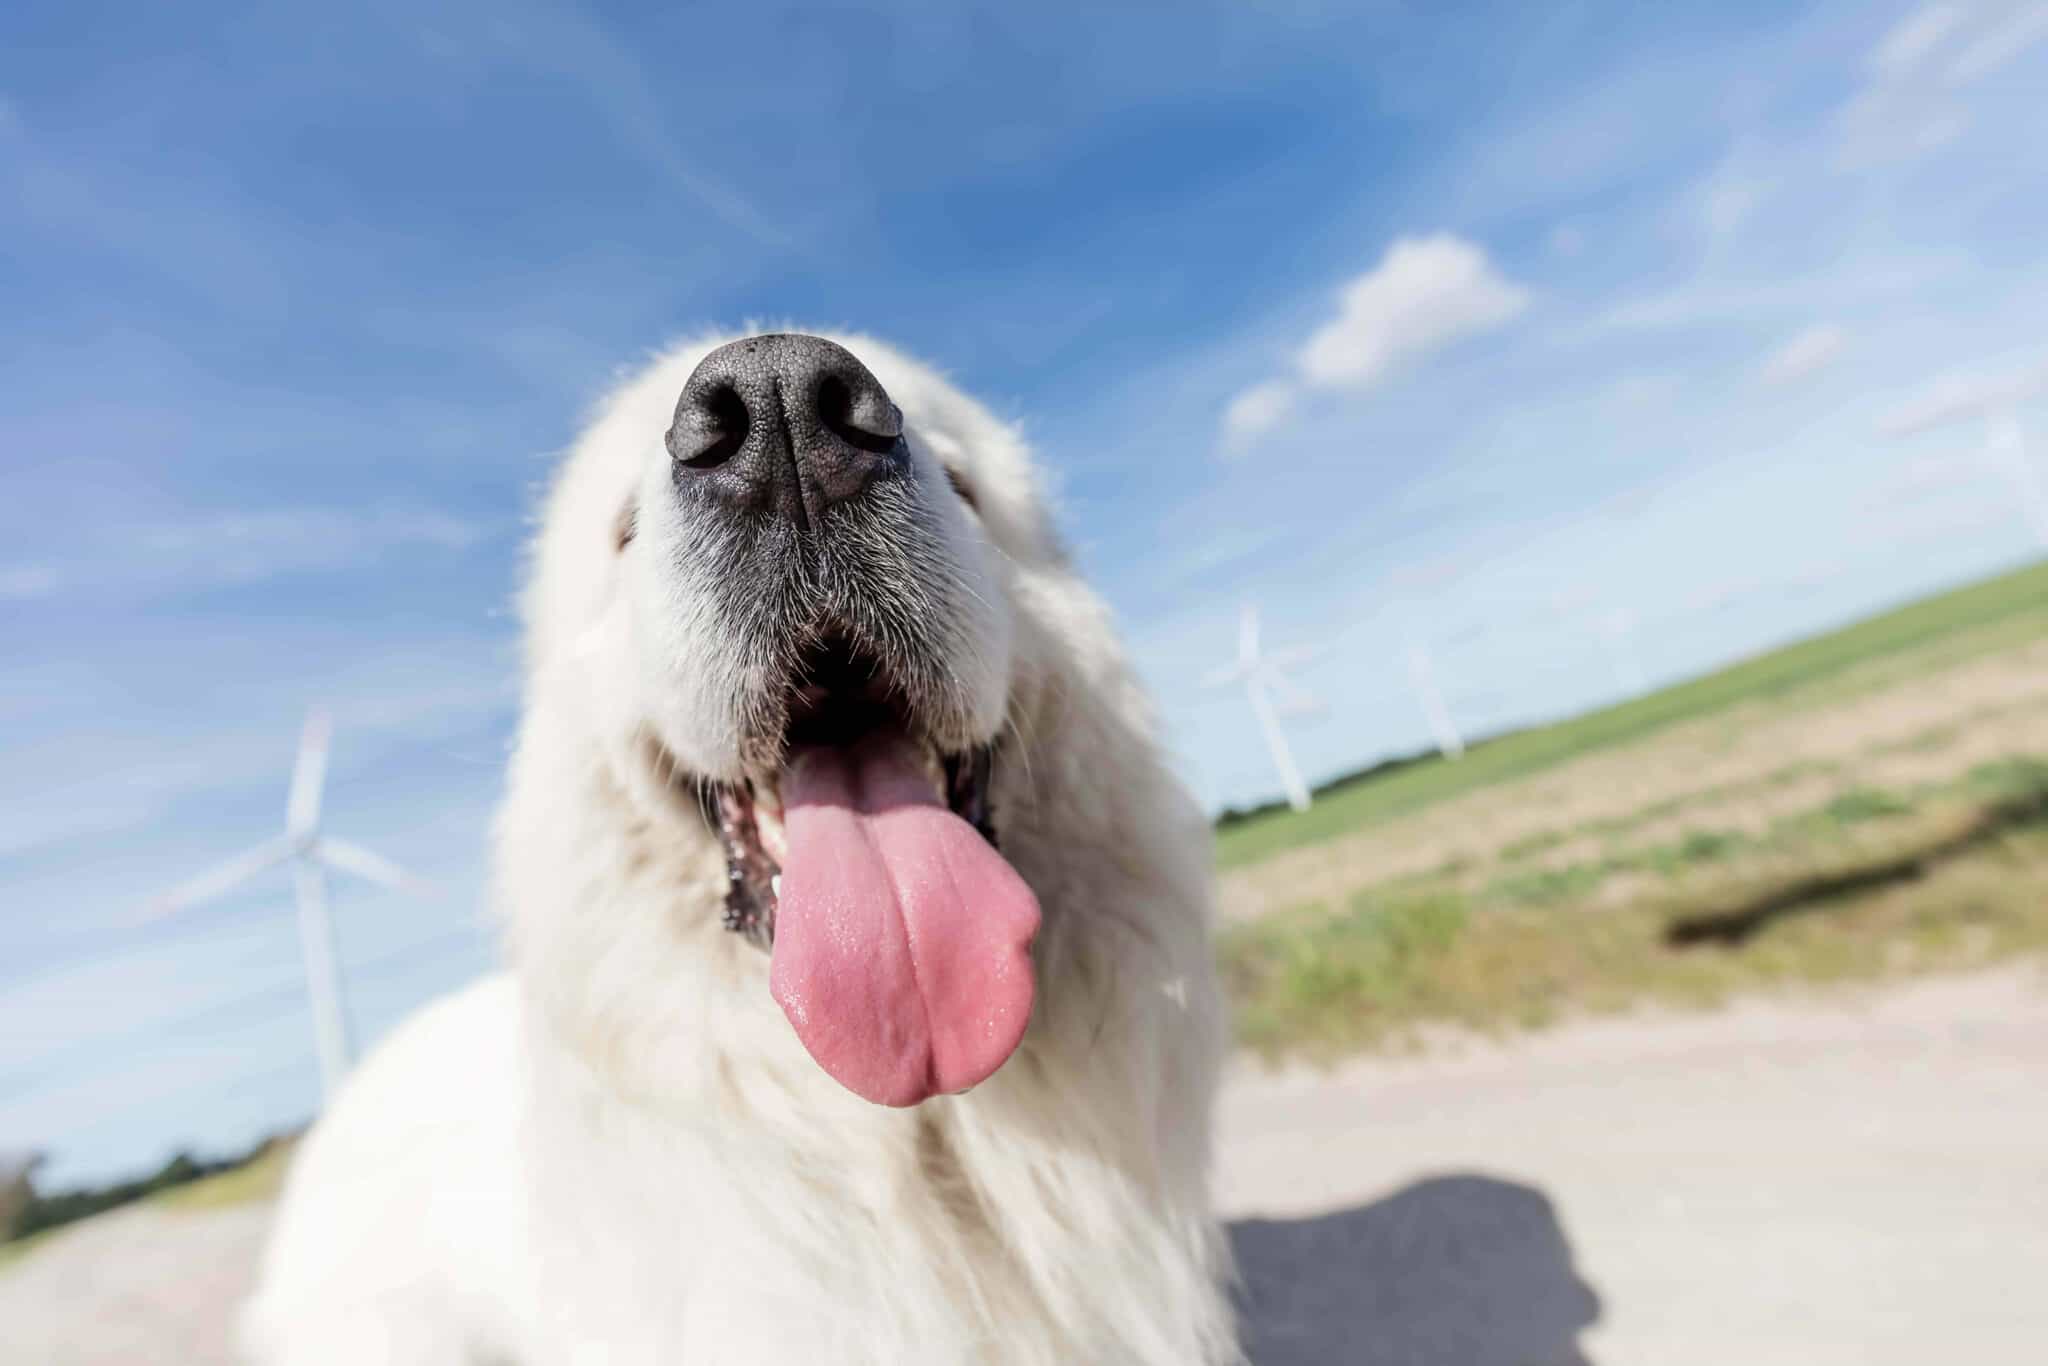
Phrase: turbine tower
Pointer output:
(1422, 674)
(310, 854)
(1617, 629)
(1996, 404)
(1262, 676)
(2006, 452)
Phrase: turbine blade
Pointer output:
(309, 774)
(219, 881)
(372, 867)
(1248, 635)
(1294, 656)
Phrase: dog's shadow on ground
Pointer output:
(1453, 1271)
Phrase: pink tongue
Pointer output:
(901, 937)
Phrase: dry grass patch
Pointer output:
(1869, 885)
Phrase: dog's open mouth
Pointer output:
(841, 697)
(865, 860)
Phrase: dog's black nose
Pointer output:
(785, 424)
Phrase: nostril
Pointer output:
(785, 424)
(712, 431)
(860, 415)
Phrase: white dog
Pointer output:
(861, 1007)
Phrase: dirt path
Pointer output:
(1861, 1180)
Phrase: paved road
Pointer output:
(1858, 1181)
(1863, 1182)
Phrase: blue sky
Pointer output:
(1494, 330)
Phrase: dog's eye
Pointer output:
(959, 484)
(625, 525)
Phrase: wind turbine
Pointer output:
(1262, 676)
(310, 854)
(1422, 674)
(2006, 451)
(1996, 403)
(1414, 580)
(1617, 629)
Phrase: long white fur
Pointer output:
(620, 1153)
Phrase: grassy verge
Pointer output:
(258, 1179)
(1868, 885)
(1940, 630)
(15, 1249)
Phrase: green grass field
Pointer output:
(1866, 885)
(1866, 803)
(1977, 619)
(258, 1179)
(14, 1249)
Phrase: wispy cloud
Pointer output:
(1425, 294)
(1731, 196)
(1907, 44)
(2004, 39)
(397, 702)
(1702, 302)
(1963, 394)
(1910, 104)
(21, 582)
(1902, 111)
(567, 42)
(1805, 354)
(1222, 549)
(1258, 409)
(218, 549)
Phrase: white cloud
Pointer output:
(1256, 411)
(1909, 42)
(1425, 294)
(1805, 354)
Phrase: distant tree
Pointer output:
(17, 1187)
(28, 1210)
(1233, 815)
